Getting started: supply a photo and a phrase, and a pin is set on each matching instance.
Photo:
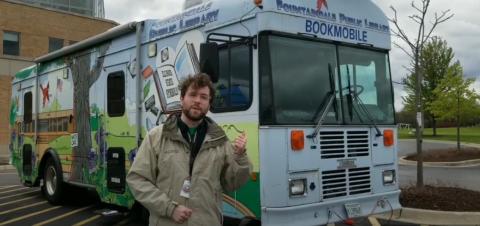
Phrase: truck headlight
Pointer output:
(298, 187)
(388, 177)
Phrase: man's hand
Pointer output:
(240, 144)
(181, 214)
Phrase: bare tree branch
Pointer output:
(403, 49)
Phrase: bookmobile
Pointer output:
(308, 81)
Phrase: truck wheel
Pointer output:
(53, 186)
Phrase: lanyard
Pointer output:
(193, 156)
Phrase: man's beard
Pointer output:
(192, 117)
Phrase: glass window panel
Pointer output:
(233, 89)
(54, 44)
(299, 79)
(367, 75)
(11, 43)
(116, 94)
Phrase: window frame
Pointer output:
(115, 74)
(18, 34)
(53, 39)
(229, 107)
(28, 119)
(343, 121)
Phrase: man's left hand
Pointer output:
(240, 144)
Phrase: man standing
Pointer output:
(184, 165)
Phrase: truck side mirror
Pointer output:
(209, 60)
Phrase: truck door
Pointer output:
(117, 124)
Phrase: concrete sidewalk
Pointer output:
(432, 217)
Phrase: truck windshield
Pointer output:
(295, 83)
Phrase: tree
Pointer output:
(435, 60)
(456, 100)
(415, 46)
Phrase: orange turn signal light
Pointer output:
(258, 2)
(388, 139)
(297, 140)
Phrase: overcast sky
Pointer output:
(462, 32)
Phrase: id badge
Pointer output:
(185, 192)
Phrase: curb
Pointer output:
(445, 142)
(459, 164)
(6, 167)
(431, 217)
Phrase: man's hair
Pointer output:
(197, 81)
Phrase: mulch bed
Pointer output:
(441, 198)
(448, 155)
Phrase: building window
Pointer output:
(116, 94)
(54, 44)
(11, 43)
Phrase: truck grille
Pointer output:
(338, 183)
(341, 144)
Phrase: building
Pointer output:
(94, 8)
(29, 31)
(190, 3)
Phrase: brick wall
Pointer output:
(5, 91)
(35, 26)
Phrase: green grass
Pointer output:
(467, 134)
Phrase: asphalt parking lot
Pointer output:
(21, 205)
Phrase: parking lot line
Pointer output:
(374, 221)
(18, 200)
(29, 215)
(123, 222)
(62, 216)
(23, 207)
(8, 186)
(3, 192)
(25, 193)
(84, 222)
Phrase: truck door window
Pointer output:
(27, 112)
(234, 87)
(116, 94)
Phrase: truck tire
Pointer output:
(53, 186)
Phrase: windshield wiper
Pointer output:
(353, 96)
(330, 100)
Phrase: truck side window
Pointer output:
(234, 87)
(116, 94)
(27, 112)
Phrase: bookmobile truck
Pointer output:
(308, 81)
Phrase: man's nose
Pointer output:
(197, 98)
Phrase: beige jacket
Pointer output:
(162, 165)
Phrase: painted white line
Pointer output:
(23, 207)
(29, 215)
(18, 200)
(374, 221)
(84, 222)
(62, 216)
(3, 192)
(25, 193)
(8, 186)
(124, 222)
